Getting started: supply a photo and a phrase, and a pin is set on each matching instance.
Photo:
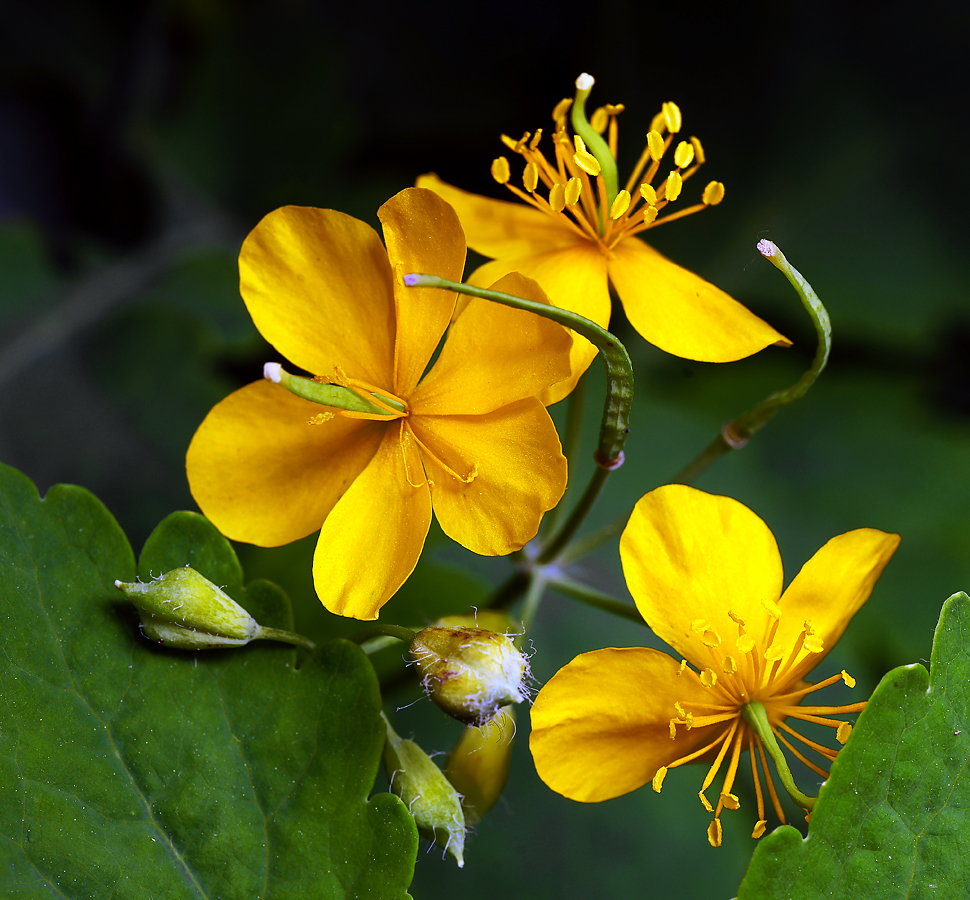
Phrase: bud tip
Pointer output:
(767, 248)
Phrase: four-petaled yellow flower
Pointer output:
(706, 575)
(469, 438)
(574, 239)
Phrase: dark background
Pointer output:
(140, 142)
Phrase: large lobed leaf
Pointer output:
(132, 771)
(893, 819)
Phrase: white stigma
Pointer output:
(271, 372)
(585, 82)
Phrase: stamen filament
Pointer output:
(697, 753)
(772, 792)
(716, 765)
(820, 749)
(802, 692)
(759, 794)
(807, 713)
(466, 479)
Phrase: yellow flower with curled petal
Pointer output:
(467, 439)
(575, 239)
(706, 575)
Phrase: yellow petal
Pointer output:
(521, 473)
(372, 539)
(422, 235)
(318, 286)
(600, 726)
(261, 474)
(573, 278)
(832, 586)
(690, 556)
(680, 312)
(495, 355)
(497, 228)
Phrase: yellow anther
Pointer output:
(522, 141)
(734, 617)
(587, 162)
(684, 155)
(843, 732)
(713, 193)
(674, 186)
(759, 828)
(699, 626)
(708, 678)
(509, 142)
(557, 197)
(814, 644)
(530, 177)
(574, 187)
(658, 122)
(730, 801)
(649, 214)
(848, 679)
(711, 638)
(655, 144)
(500, 170)
(689, 721)
(714, 833)
(579, 145)
(658, 778)
(683, 666)
(680, 709)
(599, 120)
(808, 626)
(728, 665)
(535, 139)
(705, 801)
(620, 205)
(771, 608)
(672, 727)
(648, 194)
(320, 418)
(562, 107)
(773, 654)
(672, 117)
(614, 109)
(698, 150)
(745, 643)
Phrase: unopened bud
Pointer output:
(428, 795)
(470, 672)
(185, 610)
(479, 765)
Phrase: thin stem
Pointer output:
(735, 434)
(757, 717)
(586, 545)
(406, 635)
(559, 540)
(533, 597)
(287, 637)
(619, 369)
(592, 597)
(570, 446)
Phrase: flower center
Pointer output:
(579, 182)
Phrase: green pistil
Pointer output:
(335, 395)
(593, 140)
(757, 717)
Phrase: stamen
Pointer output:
(848, 679)
(320, 418)
(561, 110)
(716, 765)
(574, 188)
(535, 140)
(466, 479)
(842, 735)
(671, 113)
(620, 205)
(658, 123)
(658, 778)
(713, 194)
(655, 144)
(698, 150)
(759, 795)
(683, 155)
(714, 833)
(772, 793)
(801, 757)
(584, 159)
(500, 170)
(727, 799)
(599, 120)
(708, 678)
(557, 197)
(404, 440)
(649, 194)
(729, 666)
(530, 177)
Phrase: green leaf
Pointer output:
(132, 771)
(892, 820)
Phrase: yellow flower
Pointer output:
(468, 439)
(574, 240)
(707, 577)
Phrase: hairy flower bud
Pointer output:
(478, 767)
(470, 672)
(428, 795)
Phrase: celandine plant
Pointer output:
(204, 764)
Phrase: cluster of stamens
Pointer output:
(763, 673)
(577, 193)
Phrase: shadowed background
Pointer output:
(140, 142)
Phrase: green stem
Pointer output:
(572, 435)
(586, 545)
(592, 597)
(559, 540)
(406, 635)
(757, 717)
(287, 637)
(619, 369)
(533, 597)
(594, 141)
(735, 434)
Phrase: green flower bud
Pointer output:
(185, 610)
(430, 798)
(470, 672)
(478, 767)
